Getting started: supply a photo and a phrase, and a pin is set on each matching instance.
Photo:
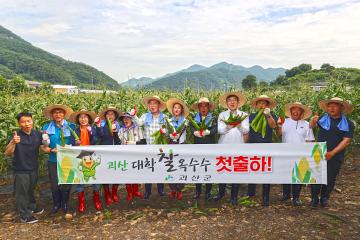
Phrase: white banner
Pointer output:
(274, 163)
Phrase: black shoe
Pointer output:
(233, 202)
(162, 194)
(30, 219)
(285, 198)
(38, 211)
(314, 202)
(324, 202)
(196, 195)
(147, 195)
(296, 202)
(218, 197)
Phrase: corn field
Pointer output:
(125, 99)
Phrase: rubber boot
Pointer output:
(81, 198)
(135, 190)
(96, 200)
(129, 192)
(114, 189)
(107, 195)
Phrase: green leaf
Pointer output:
(307, 177)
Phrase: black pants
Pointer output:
(160, 187)
(24, 184)
(252, 190)
(208, 187)
(293, 189)
(333, 169)
(234, 190)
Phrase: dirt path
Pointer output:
(161, 218)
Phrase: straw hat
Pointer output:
(347, 107)
(172, 101)
(195, 106)
(49, 109)
(110, 108)
(146, 101)
(272, 102)
(74, 116)
(239, 95)
(306, 110)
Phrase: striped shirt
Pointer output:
(132, 134)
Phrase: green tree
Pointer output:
(4, 84)
(45, 88)
(326, 67)
(249, 82)
(305, 67)
(17, 85)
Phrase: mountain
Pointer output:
(137, 82)
(214, 77)
(18, 56)
(140, 82)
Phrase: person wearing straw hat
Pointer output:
(295, 129)
(179, 112)
(57, 132)
(232, 132)
(108, 135)
(85, 135)
(131, 134)
(204, 136)
(263, 104)
(152, 121)
(337, 131)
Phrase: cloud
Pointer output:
(151, 37)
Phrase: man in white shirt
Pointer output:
(232, 132)
(295, 129)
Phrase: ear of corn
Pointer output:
(62, 136)
(73, 133)
(110, 126)
(304, 167)
(194, 123)
(66, 167)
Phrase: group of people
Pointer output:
(113, 127)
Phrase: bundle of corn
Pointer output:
(172, 130)
(160, 136)
(259, 123)
(202, 126)
(234, 119)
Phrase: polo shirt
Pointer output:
(334, 136)
(26, 152)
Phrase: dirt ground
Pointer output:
(162, 218)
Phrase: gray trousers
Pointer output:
(25, 184)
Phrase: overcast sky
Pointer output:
(134, 38)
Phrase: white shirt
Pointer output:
(235, 134)
(296, 131)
